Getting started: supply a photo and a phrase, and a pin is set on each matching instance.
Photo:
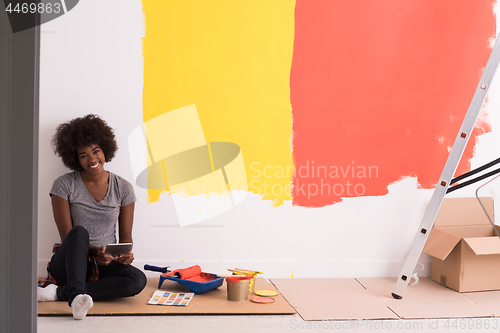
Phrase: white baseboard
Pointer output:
(286, 269)
(296, 269)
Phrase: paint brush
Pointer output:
(237, 271)
(244, 271)
(247, 270)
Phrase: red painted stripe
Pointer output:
(382, 84)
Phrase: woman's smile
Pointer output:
(91, 158)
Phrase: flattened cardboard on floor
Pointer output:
(211, 302)
(332, 299)
(427, 299)
(489, 300)
(464, 247)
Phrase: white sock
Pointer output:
(80, 305)
(48, 293)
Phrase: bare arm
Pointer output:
(125, 222)
(62, 217)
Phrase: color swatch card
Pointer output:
(161, 297)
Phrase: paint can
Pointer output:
(251, 284)
(237, 288)
(251, 287)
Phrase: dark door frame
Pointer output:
(19, 92)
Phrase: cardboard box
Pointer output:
(464, 247)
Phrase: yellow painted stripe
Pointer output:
(232, 59)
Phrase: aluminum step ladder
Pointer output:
(447, 173)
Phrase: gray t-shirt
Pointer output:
(99, 218)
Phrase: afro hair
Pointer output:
(83, 132)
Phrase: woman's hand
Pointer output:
(102, 258)
(125, 259)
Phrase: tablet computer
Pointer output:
(118, 249)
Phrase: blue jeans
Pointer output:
(69, 267)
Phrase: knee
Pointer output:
(137, 283)
(141, 281)
(78, 232)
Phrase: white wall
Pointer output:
(92, 63)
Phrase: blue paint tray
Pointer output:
(193, 286)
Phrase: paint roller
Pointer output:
(183, 274)
(156, 268)
(187, 273)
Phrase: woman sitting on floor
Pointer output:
(87, 204)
